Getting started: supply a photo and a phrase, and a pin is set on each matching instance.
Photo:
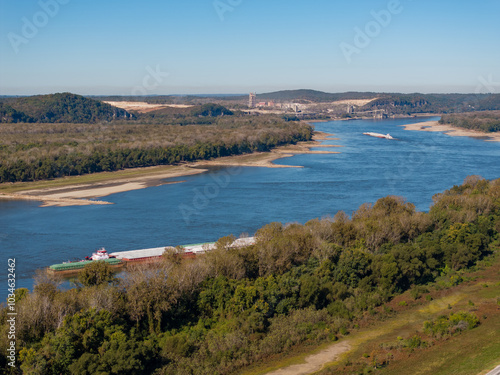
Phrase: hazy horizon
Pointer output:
(205, 94)
(217, 94)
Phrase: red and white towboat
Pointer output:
(100, 254)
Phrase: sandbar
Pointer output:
(435, 126)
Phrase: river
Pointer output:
(416, 165)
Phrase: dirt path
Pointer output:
(316, 361)
(495, 371)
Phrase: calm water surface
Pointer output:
(240, 200)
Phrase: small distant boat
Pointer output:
(378, 135)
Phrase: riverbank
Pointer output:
(83, 190)
(435, 126)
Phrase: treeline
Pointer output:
(434, 103)
(58, 108)
(487, 121)
(211, 110)
(218, 313)
(48, 151)
(10, 115)
(314, 96)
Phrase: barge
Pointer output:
(190, 251)
(122, 258)
(75, 267)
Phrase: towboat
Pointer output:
(378, 135)
(100, 254)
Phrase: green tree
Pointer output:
(96, 273)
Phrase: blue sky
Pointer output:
(111, 46)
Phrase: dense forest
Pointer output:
(30, 152)
(58, 108)
(49, 136)
(9, 114)
(434, 103)
(230, 308)
(486, 121)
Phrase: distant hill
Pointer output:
(434, 103)
(396, 103)
(71, 108)
(393, 103)
(314, 96)
(59, 108)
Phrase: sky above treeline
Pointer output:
(150, 47)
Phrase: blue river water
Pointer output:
(416, 165)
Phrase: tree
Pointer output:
(150, 293)
(212, 110)
(96, 273)
(118, 356)
(224, 260)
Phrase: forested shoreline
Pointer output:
(48, 136)
(485, 121)
(230, 308)
(30, 152)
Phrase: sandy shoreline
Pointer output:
(434, 126)
(85, 193)
(53, 200)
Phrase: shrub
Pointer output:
(451, 324)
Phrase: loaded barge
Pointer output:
(144, 256)
(189, 251)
